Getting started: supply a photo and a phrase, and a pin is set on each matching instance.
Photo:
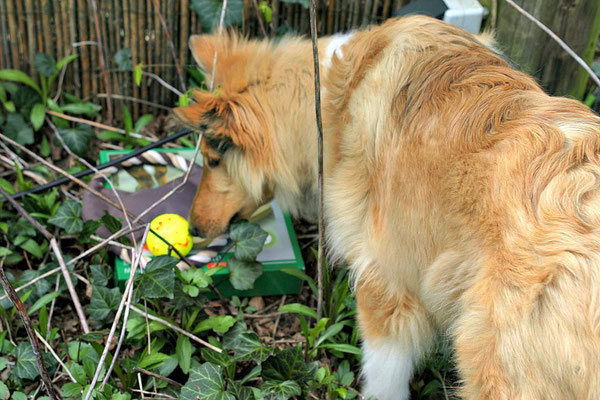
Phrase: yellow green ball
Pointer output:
(174, 229)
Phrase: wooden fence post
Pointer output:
(577, 22)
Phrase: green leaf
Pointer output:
(280, 390)
(78, 373)
(266, 11)
(15, 75)
(18, 396)
(89, 109)
(38, 113)
(331, 331)
(3, 363)
(239, 391)
(32, 247)
(206, 383)
(18, 130)
(301, 275)
(45, 147)
(77, 139)
(288, 364)
(196, 277)
(100, 275)
(242, 274)
(249, 240)
(219, 323)
(343, 347)
(42, 301)
(71, 389)
(68, 217)
(127, 120)
(66, 61)
(113, 224)
(184, 350)
(299, 309)
(246, 344)
(4, 393)
(45, 64)
(142, 122)
(153, 360)
(209, 12)
(158, 278)
(103, 301)
(123, 59)
(137, 74)
(223, 359)
(25, 366)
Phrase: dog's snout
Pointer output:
(195, 231)
(235, 217)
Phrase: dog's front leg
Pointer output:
(396, 331)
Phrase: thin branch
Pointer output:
(130, 98)
(162, 378)
(33, 281)
(22, 311)
(177, 329)
(58, 255)
(558, 40)
(56, 357)
(86, 121)
(113, 328)
(105, 75)
(163, 83)
(260, 19)
(214, 66)
(313, 34)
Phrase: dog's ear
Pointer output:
(203, 50)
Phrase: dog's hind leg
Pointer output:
(396, 331)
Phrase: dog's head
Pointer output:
(236, 145)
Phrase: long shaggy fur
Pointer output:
(465, 199)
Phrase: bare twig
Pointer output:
(113, 328)
(105, 75)
(56, 357)
(313, 34)
(163, 82)
(86, 121)
(214, 66)
(171, 45)
(33, 281)
(129, 98)
(22, 311)
(177, 329)
(162, 378)
(494, 15)
(58, 255)
(558, 40)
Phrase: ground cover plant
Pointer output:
(181, 339)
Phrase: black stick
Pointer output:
(101, 167)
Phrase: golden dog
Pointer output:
(464, 198)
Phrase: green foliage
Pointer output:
(209, 12)
(104, 302)
(123, 59)
(249, 240)
(158, 278)
(68, 217)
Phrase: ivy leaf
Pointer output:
(153, 360)
(4, 393)
(242, 274)
(103, 301)
(280, 390)
(206, 383)
(209, 12)
(25, 366)
(223, 359)
(239, 391)
(287, 365)
(77, 139)
(123, 59)
(113, 224)
(68, 217)
(17, 129)
(100, 275)
(249, 240)
(158, 278)
(246, 344)
(45, 64)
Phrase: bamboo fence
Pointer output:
(63, 27)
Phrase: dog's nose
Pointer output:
(195, 231)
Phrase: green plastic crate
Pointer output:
(282, 252)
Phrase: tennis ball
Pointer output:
(175, 230)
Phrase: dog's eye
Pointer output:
(213, 163)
